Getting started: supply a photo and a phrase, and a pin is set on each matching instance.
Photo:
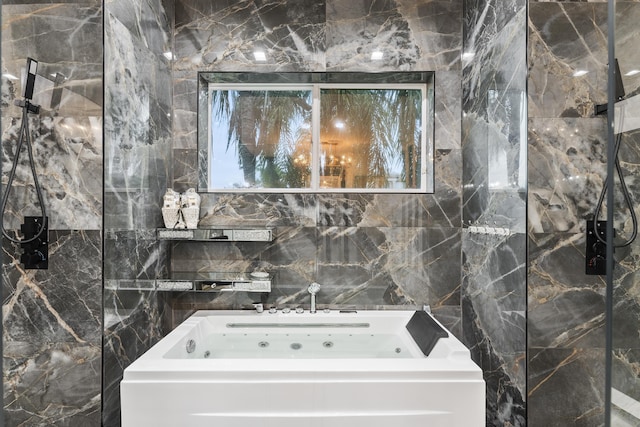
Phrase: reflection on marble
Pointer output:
(566, 38)
(567, 164)
(494, 302)
(137, 129)
(494, 111)
(138, 165)
(52, 318)
(493, 289)
(208, 34)
(411, 35)
(68, 162)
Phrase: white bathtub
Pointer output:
(243, 368)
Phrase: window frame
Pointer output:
(426, 135)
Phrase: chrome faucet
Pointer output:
(313, 289)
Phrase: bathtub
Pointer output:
(325, 369)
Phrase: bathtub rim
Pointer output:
(152, 364)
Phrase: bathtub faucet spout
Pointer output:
(313, 289)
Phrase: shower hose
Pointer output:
(627, 200)
(24, 136)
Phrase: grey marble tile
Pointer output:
(51, 383)
(68, 164)
(494, 64)
(185, 169)
(441, 209)
(63, 39)
(412, 35)
(135, 324)
(292, 35)
(61, 304)
(565, 387)
(493, 193)
(137, 127)
(503, 372)
(448, 104)
(185, 110)
(147, 21)
(566, 307)
(134, 254)
(494, 281)
(567, 165)
(566, 38)
(258, 209)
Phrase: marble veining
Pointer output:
(566, 38)
(493, 288)
(226, 35)
(138, 162)
(52, 337)
(567, 163)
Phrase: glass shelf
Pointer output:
(200, 282)
(216, 234)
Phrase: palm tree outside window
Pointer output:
(323, 137)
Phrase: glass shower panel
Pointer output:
(625, 360)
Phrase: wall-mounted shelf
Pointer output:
(216, 234)
(200, 282)
(217, 282)
(214, 281)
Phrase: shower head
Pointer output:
(620, 93)
(32, 67)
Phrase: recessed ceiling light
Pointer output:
(259, 55)
(580, 73)
(632, 73)
(467, 56)
(339, 124)
(376, 55)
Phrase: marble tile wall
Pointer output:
(381, 250)
(137, 127)
(399, 250)
(567, 166)
(52, 338)
(494, 199)
(373, 240)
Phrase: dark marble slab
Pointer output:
(565, 38)
(565, 387)
(292, 35)
(52, 383)
(61, 304)
(52, 333)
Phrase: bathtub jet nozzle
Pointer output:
(313, 289)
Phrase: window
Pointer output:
(316, 134)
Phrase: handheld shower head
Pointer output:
(32, 67)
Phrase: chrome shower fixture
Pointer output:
(313, 289)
